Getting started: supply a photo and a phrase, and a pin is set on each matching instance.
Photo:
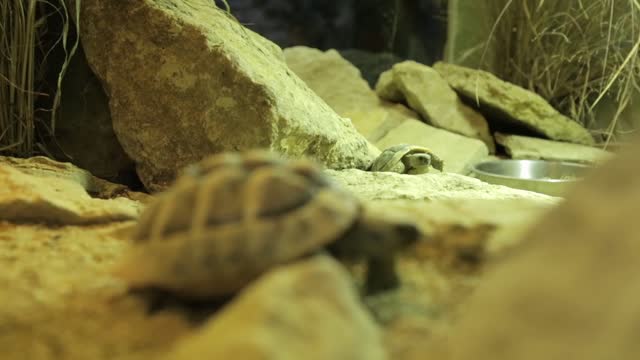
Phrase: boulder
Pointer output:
(431, 96)
(185, 80)
(308, 309)
(506, 105)
(526, 147)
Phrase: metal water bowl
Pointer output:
(547, 177)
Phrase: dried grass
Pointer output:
(574, 53)
(22, 23)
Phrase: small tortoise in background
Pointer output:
(407, 159)
(233, 216)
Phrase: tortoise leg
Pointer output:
(381, 275)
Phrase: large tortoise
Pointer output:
(233, 216)
(407, 159)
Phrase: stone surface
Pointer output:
(505, 104)
(197, 82)
(431, 96)
(526, 147)
(458, 152)
(57, 300)
(44, 167)
(570, 290)
(305, 310)
(55, 278)
(57, 201)
(431, 186)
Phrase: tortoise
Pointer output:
(233, 216)
(407, 159)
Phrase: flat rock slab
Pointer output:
(504, 102)
(308, 309)
(430, 95)
(431, 186)
(458, 152)
(43, 167)
(57, 201)
(526, 147)
(185, 80)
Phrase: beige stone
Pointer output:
(526, 147)
(308, 309)
(44, 167)
(430, 186)
(501, 101)
(185, 80)
(431, 96)
(57, 201)
(333, 78)
(458, 152)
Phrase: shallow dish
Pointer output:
(547, 177)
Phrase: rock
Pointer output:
(507, 105)
(333, 78)
(59, 301)
(57, 201)
(458, 152)
(525, 147)
(569, 289)
(305, 310)
(197, 82)
(430, 95)
(340, 85)
(383, 123)
(43, 167)
(431, 186)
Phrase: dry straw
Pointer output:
(22, 24)
(574, 53)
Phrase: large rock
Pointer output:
(569, 291)
(526, 147)
(507, 105)
(186, 80)
(305, 310)
(431, 96)
(458, 152)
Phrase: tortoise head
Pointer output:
(375, 236)
(419, 161)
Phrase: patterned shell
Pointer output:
(230, 218)
(390, 159)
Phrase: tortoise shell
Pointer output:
(391, 158)
(229, 218)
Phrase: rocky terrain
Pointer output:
(498, 273)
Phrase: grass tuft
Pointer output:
(574, 53)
